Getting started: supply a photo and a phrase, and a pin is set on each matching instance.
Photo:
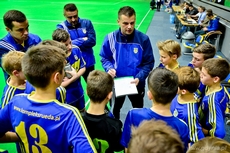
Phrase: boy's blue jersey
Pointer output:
(188, 112)
(60, 92)
(213, 108)
(83, 29)
(45, 126)
(74, 91)
(137, 115)
(9, 92)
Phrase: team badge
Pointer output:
(76, 57)
(135, 50)
(84, 30)
(175, 113)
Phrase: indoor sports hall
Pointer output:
(44, 15)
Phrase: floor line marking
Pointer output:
(87, 103)
(143, 19)
(118, 2)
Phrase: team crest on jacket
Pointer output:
(175, 113)
(135, 50)
(84, 30)
(76, 57)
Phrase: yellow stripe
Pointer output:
(212, 114)
(62, 92)
(187, 46)
(192, 123)
(9, 94)
(82, 124)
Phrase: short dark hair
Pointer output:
(208, 50)
(70, 7)
(203, 8)
(163, 84)
(40, 62)
(99, 85)
(217, 67)
(127, 11)
(13, 15)
(155, 136)
(60, 35)
(209, 12)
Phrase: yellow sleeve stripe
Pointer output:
(212, 114)
(81, 122)
(9, 94)
(62, 92)
(192, 122)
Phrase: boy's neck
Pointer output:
(160, 109)
(172, 65)
(96, 108)
(186, 98)
(213, 88)
(46, 94)
(14, 81)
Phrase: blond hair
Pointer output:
(171, 47)
(12, 61)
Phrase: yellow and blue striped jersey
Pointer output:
(74, 90)
(188, 112)
(213, 108)
(60, 92)
(9, 92)
(45, 126)
(137, 115)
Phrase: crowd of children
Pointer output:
(43, 105)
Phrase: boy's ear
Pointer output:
(57, 78)
(110, 95)
(183, 91)
(15, 73)
(216, 79)
(174, 57)
(149, 95)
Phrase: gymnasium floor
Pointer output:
(44, 15)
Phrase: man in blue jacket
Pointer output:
(213, 24)
(18, 37)
(82, 35)
(127, 52)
